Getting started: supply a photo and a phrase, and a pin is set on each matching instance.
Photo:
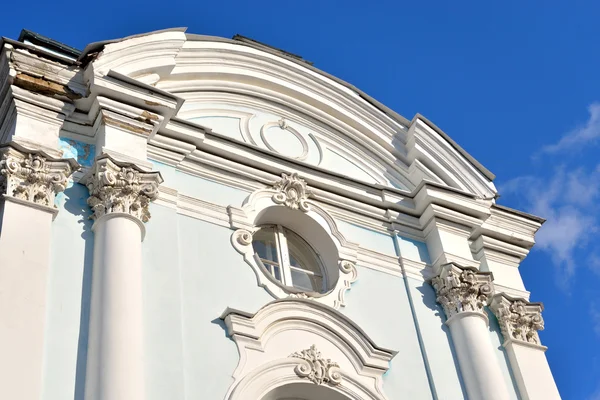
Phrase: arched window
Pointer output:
(289, 259)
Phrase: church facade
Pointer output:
(192, 217)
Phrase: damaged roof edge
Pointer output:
(96, 46)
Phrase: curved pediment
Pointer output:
(270, 99)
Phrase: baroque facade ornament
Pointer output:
(316, 368)
(32, 177)
(461, 289)
(519, 319)
(121, 189)
(292, 191)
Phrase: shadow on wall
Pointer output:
(76, 204)
(494, 329)
(428, 297)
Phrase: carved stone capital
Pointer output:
(316, 368)
(33, 176)
(519, 319)
(462, 289)
(125, 189)
(292, 191)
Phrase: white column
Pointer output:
(463, 293)
(520, 322)
(119, 197)
(29, 181)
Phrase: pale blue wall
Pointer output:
(200, 188)
(436, 343)
(367, 238)
(214, 277)
(379, 305)
(163, 343)
(69, 283)
(192, 274)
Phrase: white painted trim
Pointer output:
(259, 370)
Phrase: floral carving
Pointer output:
(292, 191)
(32, 177)
(121, 189)
(316, 368)
(519, 319)
(460, 290)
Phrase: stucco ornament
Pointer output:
(121, 189)
(316, 368)
(33, 177)
(459, 290)
(519, 319)
(292, 191)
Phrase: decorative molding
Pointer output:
(462, 289)
(519, 320)
(347, 274)
(316, 368)
(292, 191)
(121, 188)
(283, 125)
(32, 176)
(268, 340)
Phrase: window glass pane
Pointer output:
(302, 280)
(264, 244)
(301, 254)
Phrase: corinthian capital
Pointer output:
(33, 176)
(462, 289)
(519, 319)
(125, 189)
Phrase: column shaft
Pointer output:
(480, 370)
(119, 197)
(464, 293)
(115, 358)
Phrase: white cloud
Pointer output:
(567, 201)
(595, 395)
(586, 134)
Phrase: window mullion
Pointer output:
(286, 273)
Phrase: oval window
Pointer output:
(289, 259)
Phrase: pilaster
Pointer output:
(123, 131)
(36, 96)
(448, 242)
(29, 182)
(520, 322)
(503, 259)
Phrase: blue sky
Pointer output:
(515, 83)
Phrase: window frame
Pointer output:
(284, 264)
